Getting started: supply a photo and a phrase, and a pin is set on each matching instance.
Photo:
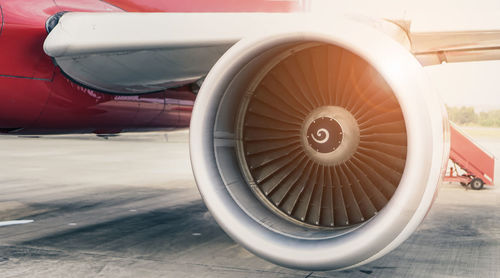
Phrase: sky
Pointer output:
(474, 84)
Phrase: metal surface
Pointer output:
(234, 204)
(348, 175)
(344, 143)
(38, 98)
(103, 58)
(210, 6)
(433, 48)
(101, 50)
(1, 19)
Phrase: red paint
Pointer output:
(86, 6)
(22, 38)
(37, 98)
(1, 20)
(471, 158)
(208, 6)
(21, 102)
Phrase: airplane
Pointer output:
(317, 142)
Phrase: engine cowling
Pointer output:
(318, 149)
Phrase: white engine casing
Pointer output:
(250, 222)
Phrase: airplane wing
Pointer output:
(432, 48)
(135, 53)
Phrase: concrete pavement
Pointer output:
(128, 206)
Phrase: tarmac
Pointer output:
(127, 206)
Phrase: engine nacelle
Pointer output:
(318, 149)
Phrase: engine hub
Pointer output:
(324, 135)
(330, 135)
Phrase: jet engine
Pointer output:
(318, 148)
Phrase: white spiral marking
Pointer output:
(321, 132)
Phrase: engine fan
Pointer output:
(312, 123)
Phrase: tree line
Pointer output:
(466, 115)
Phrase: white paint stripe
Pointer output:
(490, 181)
(14, 222)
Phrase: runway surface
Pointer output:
(128, 206)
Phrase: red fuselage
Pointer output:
(36, 97)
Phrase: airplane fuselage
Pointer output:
(37, 97)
